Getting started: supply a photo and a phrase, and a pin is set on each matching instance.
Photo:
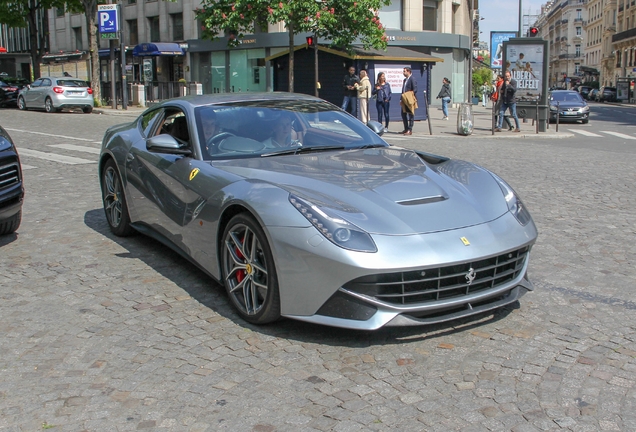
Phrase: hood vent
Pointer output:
(418, 201)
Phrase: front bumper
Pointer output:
(569, 115)
(316, 277)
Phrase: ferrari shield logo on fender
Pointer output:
(463, 239)
(194, 173)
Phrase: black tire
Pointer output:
(586, 121)
(11, 224)
(114, 200)
(249, 273)
(48, 106)
(87, 110)
(22, 104)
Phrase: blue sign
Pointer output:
(107, 18)
(496, 46)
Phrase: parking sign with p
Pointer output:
(107, 18)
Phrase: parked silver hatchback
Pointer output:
(54, 94)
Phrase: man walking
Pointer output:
(350, 84)
(408, 101)
(509, 101)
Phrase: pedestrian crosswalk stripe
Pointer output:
(74, 147)
(586, 133)
(54, 157)
(49, 135)
(620, 135)
(26, 167)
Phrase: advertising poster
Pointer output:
(496, 46)
(525, 62)
(394, 76)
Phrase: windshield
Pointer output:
(566, 97)
(255, 128)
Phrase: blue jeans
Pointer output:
(383, 108)
(445, 101)
(353, 101)
(513, 113)
(484, 99)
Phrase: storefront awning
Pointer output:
(392, 53)
(157, 49)
(64, 57)
(589, 70)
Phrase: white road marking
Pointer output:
(586, 133)
(620, 135)
(27, 167)
(74, 147)
(54, 157)
(51, 135)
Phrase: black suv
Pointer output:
(11, 188)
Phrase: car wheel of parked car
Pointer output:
(48, 106)
(249, 273)
(22, 104)
(87, 110)
(115, 205)
(11, 224)
(586, 121)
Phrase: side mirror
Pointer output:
(376, 127)
(165, 143)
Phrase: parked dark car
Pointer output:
(11, 188)
(584, 91)
(606, 94)
(570, 106)
(8, 94)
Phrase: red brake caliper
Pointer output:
(240, 274)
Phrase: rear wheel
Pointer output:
(21, 104)
(48, 106)
(11, 224)
(249, 273)
(87, 110)
(115, 205)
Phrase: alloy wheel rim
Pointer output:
(245, 269)
(112, 194)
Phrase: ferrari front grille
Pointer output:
(9, 175)
(433, 284)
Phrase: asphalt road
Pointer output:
(99, 333)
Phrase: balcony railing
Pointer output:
(624, 35)
(569, 56)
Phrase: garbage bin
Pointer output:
(138, 95)
(196, 88)
(465, 119)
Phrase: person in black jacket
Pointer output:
(408, 116)
(509, 101)
(382, 92)
(445, 96)
(350, 83)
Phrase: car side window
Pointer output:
(46, 82)
(148, 120)
(175, 124)
(37, 83)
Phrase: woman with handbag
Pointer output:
(382, 93)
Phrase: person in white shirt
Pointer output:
(281, 134)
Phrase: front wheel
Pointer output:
(249, 273)
(11, 224)
(21, 104)
(48, 106)
(115, 205)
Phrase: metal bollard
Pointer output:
(557, 118)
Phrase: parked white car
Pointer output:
(54, 94)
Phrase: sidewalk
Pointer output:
(482, 118)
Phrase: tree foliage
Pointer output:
(481, 76)
(343, 22)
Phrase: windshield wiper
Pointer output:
(298, 150)
(369, 146)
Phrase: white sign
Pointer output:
(394, 75)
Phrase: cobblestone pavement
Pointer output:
(99, 333)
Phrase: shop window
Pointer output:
(153, 23)
(77, 32)
(177, 26)
(430, 15)
(133, 36)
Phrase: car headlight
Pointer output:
(333, 227)
(553, 107)
(515, 205)
(584, 109)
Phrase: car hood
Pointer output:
(383, 191)
(566, 105)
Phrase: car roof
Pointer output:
(224, 98)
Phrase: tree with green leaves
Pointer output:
(343, 22)
(26, 13)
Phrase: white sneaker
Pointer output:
(386, 130)
(445, 118)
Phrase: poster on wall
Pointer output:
(496, 46)
(394, 75)
(525, 62)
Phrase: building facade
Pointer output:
(434, 28)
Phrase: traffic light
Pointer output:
(533, 32)
(311, 41)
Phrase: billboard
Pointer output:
(497, 38)
(525, 62)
